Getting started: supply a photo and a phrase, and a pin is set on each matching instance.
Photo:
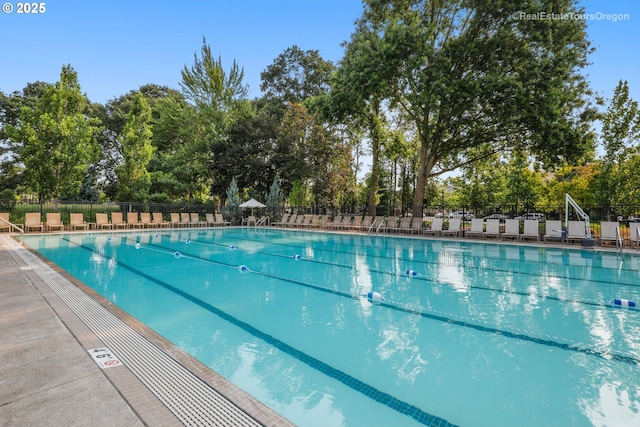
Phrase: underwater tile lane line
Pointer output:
(346, 379)
(422, 277)
(189, 398)
(500, 270)
(524, 335)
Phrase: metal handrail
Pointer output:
(262, 220)
(619, 239)
(14, 226)
(569, 201)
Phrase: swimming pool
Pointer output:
(464, 333)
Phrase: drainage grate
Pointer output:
(190, 399)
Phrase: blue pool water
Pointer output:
(464, 333)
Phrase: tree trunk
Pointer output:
(425, 166)
(375, 161)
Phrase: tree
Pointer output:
(620, 135)
(58, 138)
(296, 76)
(134, 180)
(231, 209)
(474, 81)
(275, 198)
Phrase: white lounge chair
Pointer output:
(405, 225)
(455, 228)
(391, 225)
(608, 232)
(511, 229)
(493, 229)
(634, 236)
(553, 230)
(477, 228)
(436, 227)
(531, 230)
(576, 231)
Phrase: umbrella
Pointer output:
(252, 203)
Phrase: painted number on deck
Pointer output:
(104, 358)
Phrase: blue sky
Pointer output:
(117, 46)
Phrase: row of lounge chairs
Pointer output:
(491, 228)
(33, 221)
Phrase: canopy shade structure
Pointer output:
(252, 203)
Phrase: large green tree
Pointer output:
(58, 138)
(620, 137)
(475, 81)
(134, 179)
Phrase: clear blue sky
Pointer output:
(117, 46)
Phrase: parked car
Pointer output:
(501, 217)
(532, 215)
(466, 216)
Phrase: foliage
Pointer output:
(57, 137)
(620, 135)
(134, 180)
(275, 198)
(231, 209)
(475, 82)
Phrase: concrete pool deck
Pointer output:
(47, 376)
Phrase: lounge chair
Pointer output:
(608, 232)
(531, 230)
(185, 219)
(175, 219)
(76, 220)
(283, 221)
(299, 221)
(145, 220)
(4, 225)
(337, 220)
(377, 224)
(195, 220)
(405, 224)
(391, 225)
(292, 220)
(365, 224)
(250, 220)
(416, 226)
(493, 229)
(553, 230)
(436, 227)
(324, 220)
(477, 228)
(102, 221)
(511, 229)
(634, 236)
(211, 221)
(220, 220)
(455, 228)
(313, 222)
(355, 224)
(157, 220)
(33, 220)
(132, 220)
(54, 221)
(117, 221)
(576, 231)
(346, 222)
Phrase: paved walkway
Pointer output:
(46, 378)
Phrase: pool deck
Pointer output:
(47, 327)
(49, 378)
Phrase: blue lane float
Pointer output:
(411, 273)
(232, 248)
(187, 241)
(177, 254)
(624, 303)
(243, 269)
(296, 256)
(137, 245)
(375, 297)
